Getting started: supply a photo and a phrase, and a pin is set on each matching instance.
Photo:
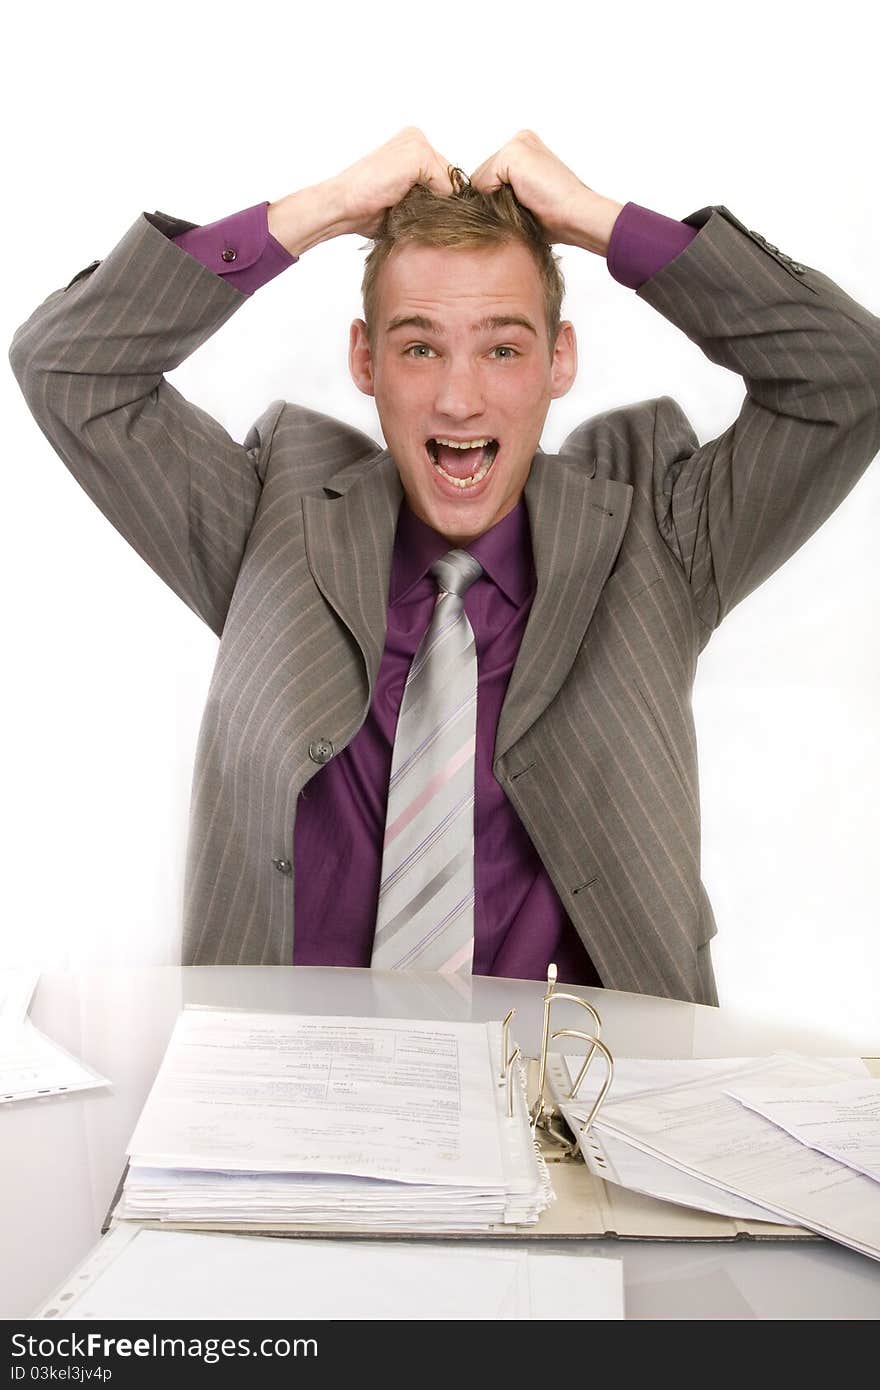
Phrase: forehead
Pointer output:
(437, 281)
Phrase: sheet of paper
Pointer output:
(381, 1098)
(635, 1074)
(614, 1159)
(16, 992)
(30, 1064)
(841, 1120)
(704, 1131)
(153, 1275)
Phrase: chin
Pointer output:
(462, 523)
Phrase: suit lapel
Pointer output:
(577, 524)
(349, 534)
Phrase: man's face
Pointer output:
(460, 355)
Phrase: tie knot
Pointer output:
(456, 571)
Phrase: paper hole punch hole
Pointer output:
(598, 1156)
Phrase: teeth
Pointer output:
(466, 482)
(466, 444)
(490, 445)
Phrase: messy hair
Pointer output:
(466, 219)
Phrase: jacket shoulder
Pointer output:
(314, 446)
(627, 442)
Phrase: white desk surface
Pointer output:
(61, 1157)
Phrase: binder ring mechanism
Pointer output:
(543, 1114)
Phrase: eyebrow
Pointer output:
(489, 322)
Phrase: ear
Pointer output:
(360, 358)
(564, 362)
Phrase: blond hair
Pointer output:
(467, 219)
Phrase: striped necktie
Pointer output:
(425, 917)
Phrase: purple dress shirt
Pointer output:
(519, 920)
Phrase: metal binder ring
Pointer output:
(587, 1037)
(540, 1111)
(576, 999)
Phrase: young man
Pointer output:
(451, 705)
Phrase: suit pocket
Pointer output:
(637, 573)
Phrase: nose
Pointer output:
(459, 393)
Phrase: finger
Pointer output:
(435, 172)
(491, 174)
(433, 168)
(491, 179)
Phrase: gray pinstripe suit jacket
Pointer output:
(643, 540)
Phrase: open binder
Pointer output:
(586, 1205)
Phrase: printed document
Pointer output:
(282, 1093)
(841, 1120)
(701, 1129)
(614, 1159)
(279, 1120)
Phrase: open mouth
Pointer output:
(464, 463)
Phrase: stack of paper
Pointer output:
(702, 1142)
(614, 1159)
(264, 1120)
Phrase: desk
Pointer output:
(61, 1157)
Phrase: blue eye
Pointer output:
(416, 349)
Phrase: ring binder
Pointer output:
(543, 1115)
(585, 1200)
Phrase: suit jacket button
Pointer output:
(321, 751)
(283, 866)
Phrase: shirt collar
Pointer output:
(504, 551)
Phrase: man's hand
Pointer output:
(357, 199)
(567, 209)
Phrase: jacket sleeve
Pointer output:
(734, 509)
(91, 360)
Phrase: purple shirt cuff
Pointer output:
(240, 248)
(643, 242)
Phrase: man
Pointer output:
(569, 596)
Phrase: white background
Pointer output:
(202, 109)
